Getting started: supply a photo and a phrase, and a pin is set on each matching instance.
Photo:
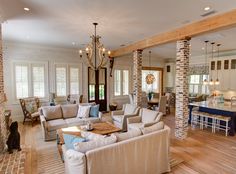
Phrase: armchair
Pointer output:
(30, 108)
(120, 117)
(146, 118)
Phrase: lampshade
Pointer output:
(211, 82)
(217, 82)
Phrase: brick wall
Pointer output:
(3, 130)
(137, 77)
(182, 67)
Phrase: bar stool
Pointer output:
(225, 119)
(206, 122)
(195, 119)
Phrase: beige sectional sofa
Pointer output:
(61, 116)
(148, 153)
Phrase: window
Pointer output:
(21, 81)
(74, 80)
(30, 79)
(61, 81)
(196, 84)
(38, 81)
(121, 82)
(155, 87)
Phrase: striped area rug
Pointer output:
(49, 161)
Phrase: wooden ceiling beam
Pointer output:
(211, 24)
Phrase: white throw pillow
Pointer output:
(127, 135)
(155, 127)
(83, 147)
(129, 109)
(83, 111)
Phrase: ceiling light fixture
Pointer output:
(150, 78)
(95, 49)
(212, 55)
(205, 81)
(26, 9)
(207, 8)
(217, 82)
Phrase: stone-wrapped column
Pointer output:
(137, 77)
(182, 67)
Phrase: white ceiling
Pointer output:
(61, 22)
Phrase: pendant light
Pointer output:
(150, 77)
(205, 81)
(217, 82)
(212, 55)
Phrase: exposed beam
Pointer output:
(211, 24)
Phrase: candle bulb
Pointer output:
(87, 49)
(109, 53)
(103, 50)
(80, 52)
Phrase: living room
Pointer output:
(157, 68)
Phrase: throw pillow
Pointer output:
(94, 111)
(83, 111)
(128, 135)
(83, 147)
(69, 110)
(91, 136)
(71, 139)
(129, 109)
(155, 127)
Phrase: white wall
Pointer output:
(52, 55)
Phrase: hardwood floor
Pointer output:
(202, 152)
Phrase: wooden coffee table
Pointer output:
(102, 128)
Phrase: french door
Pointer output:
(97, 87)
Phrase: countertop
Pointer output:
(226, 106)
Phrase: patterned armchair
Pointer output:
(30, 108)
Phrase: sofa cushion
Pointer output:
(56, 124)
(69, 110)
(91, 119)
(135, 126)
(118, 118)
(148, 116)
(94, 111)
(74, 121)
(129, 109)
(155, 127)
(83, 111)
(52, 112)
(127, 135)
(83, 147)
(91, 136)
(71, 139)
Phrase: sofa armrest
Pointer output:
(100, 115)
(150, 124)
(136, 119)
(119, 112)
(43, 121)
(75, 162)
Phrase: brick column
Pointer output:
(181, 82)
(3, 130)
(137, 77)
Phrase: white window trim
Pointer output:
(29, 64)
(113, 81)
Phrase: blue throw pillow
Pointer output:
(94, 111)
(71, 139)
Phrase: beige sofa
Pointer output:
(147, 153)
(61, 116)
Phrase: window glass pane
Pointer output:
(61, 81)
(190, 88)
(125, 82)
(101, 92)
(21, 81)
(38, 81)
(74, 80)
(195, 79)
(195, 89)
(91, 92)
(117, 82)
